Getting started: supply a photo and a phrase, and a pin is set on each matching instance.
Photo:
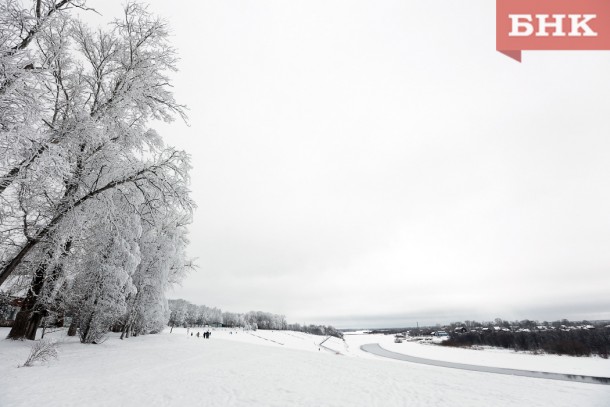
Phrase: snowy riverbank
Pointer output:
(259, 369)
(493, 357)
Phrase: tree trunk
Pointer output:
(125, 331)
(85, 334)
(60, 320)
(28, 318)
(19, 327)
(26, 325)
(44, 327)
(34, 323)
(73, 326)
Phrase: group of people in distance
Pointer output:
(206, 334)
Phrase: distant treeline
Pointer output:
(316, 330)
(186, 314)
(577, 342)
(563, 337)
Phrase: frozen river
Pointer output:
(376, 349)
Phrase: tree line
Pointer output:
(94, 207)
(186, 314)
(576, 342)
(562, 337)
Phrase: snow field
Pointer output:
(286, 339)
(245, 370)
(590, 366)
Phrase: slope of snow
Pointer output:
(286, 339)
(283, 369)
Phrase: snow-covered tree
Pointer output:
(83, 159)
(177, 315)
(163, 264)
(105, 284)
(26, 79)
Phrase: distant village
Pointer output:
(497, 325)
(563, 337)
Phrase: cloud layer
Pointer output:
(355, 161)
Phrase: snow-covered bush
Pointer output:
(42, 351)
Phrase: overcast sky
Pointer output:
(378, 163)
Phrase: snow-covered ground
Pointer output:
(494, 357)
(265, 368)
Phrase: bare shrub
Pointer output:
(42, 351)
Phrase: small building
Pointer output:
(9, 306)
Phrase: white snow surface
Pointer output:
(265, 368)
(494, 357)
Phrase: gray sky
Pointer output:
(378, 163)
